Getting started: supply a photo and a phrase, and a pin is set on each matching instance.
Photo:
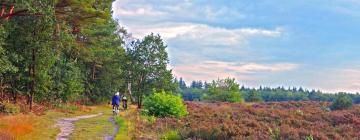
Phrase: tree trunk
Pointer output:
(13, 90)
(140, 91)
(130, 93)
(14, 96)
(93, 71)
(1, 88)
(32, 82)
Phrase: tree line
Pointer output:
(73, 50)
(199, 90)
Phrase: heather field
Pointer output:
(280, 120)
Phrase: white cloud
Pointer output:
(202, 34)
(210, 70)
(143, 11)
(339, 80)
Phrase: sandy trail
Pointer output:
(67, 125)
(116, 129)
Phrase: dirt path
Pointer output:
(67, 125)
(116, 129)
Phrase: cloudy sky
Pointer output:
(309, 43)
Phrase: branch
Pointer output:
(13, 14)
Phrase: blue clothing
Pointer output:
(115, 100)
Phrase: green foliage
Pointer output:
(9, 108)
(66, 81)
(225, 90)
(67, 107)
(164, 105)
(70, 52)
(254, 96)
(343, 101)
(170, 135)
(147, 67)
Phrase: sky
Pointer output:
(310, 43)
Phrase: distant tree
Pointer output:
(193, 84)
(182, 83)
(342, 101)
(226, 90)
(254, 96)
(206, 85)
(196, 84)
(199, 84)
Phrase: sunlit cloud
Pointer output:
(339, 80)
(210, 70)
(203, 34)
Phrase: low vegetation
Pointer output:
(285, 120)
(164, 105)
(343, 101)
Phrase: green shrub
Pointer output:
(9, 108)
(170, 135)
(164, 105)
(341, 102)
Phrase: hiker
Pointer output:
(115, 102)
(124, 100)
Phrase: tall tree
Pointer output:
(148, 67)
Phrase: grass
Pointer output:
(95, 128)
(123, 127)
(30, 126)
(126, 123)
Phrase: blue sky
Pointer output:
(309, 43)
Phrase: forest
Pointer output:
(198, 89)
(74, 51)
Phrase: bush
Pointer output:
(9, 108)
(254, 96)
(163, 105)
(341, 102)
(224, 90)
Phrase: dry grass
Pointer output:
(16, 126)
(35, 126)
(126, 125)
